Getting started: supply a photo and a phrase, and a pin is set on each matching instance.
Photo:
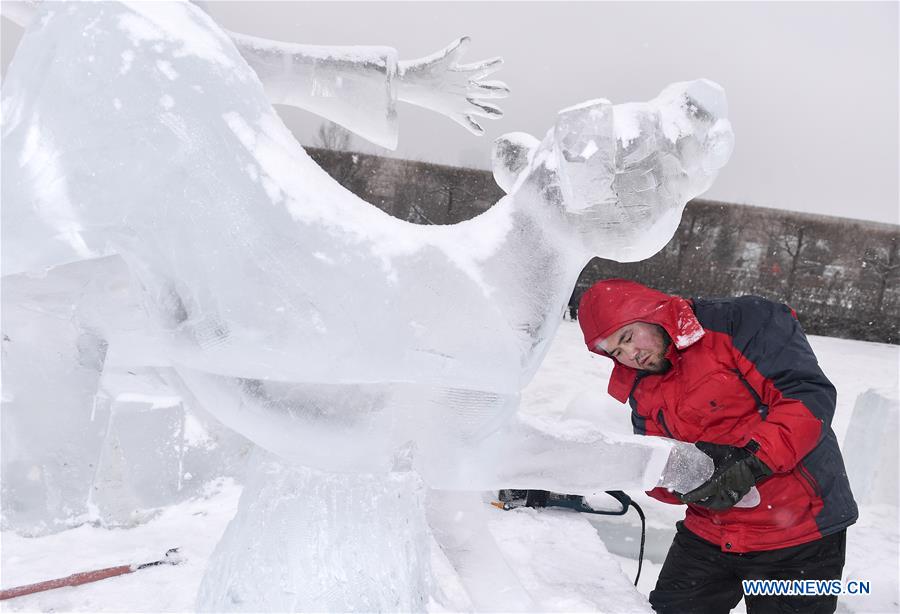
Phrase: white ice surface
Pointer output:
(551, 561)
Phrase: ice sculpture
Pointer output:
(332, 335)
(283, 301)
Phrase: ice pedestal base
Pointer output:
(304, 540)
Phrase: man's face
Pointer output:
(639, 345)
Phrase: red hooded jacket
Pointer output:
(741, 369)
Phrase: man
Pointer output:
(738, 377)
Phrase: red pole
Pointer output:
(85, 577)
(73, 580)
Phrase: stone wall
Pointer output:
(842, 276)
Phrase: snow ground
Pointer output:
(558, 561)
(194, 526)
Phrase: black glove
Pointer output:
(736, 471)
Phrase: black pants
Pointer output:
(698, 578)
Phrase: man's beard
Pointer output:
(661, 367)
(664, 364)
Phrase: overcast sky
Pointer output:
(812, 86)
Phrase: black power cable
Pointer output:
(626, 502)
(640, 512)
(510, 499)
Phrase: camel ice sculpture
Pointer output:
(332, 335)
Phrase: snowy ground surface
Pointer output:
(557, 555)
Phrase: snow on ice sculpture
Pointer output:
(325, 331)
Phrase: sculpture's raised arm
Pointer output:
(353, 86)
(358, 87)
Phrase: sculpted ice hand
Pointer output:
(440, 83)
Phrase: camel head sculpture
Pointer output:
(621, 174)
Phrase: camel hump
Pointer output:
(512, 154)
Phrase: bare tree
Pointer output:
(685, 238)
(886, 267)
(344, 166)
(455, 195)
(796, 243)
(333, 136)
(725, 277)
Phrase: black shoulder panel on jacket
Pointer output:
(769, 336)
(638, 422)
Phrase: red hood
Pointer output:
(610, 304)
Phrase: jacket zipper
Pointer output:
(809, 479)
(761, 407)
(662, 423)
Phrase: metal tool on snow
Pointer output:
(172, 557)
